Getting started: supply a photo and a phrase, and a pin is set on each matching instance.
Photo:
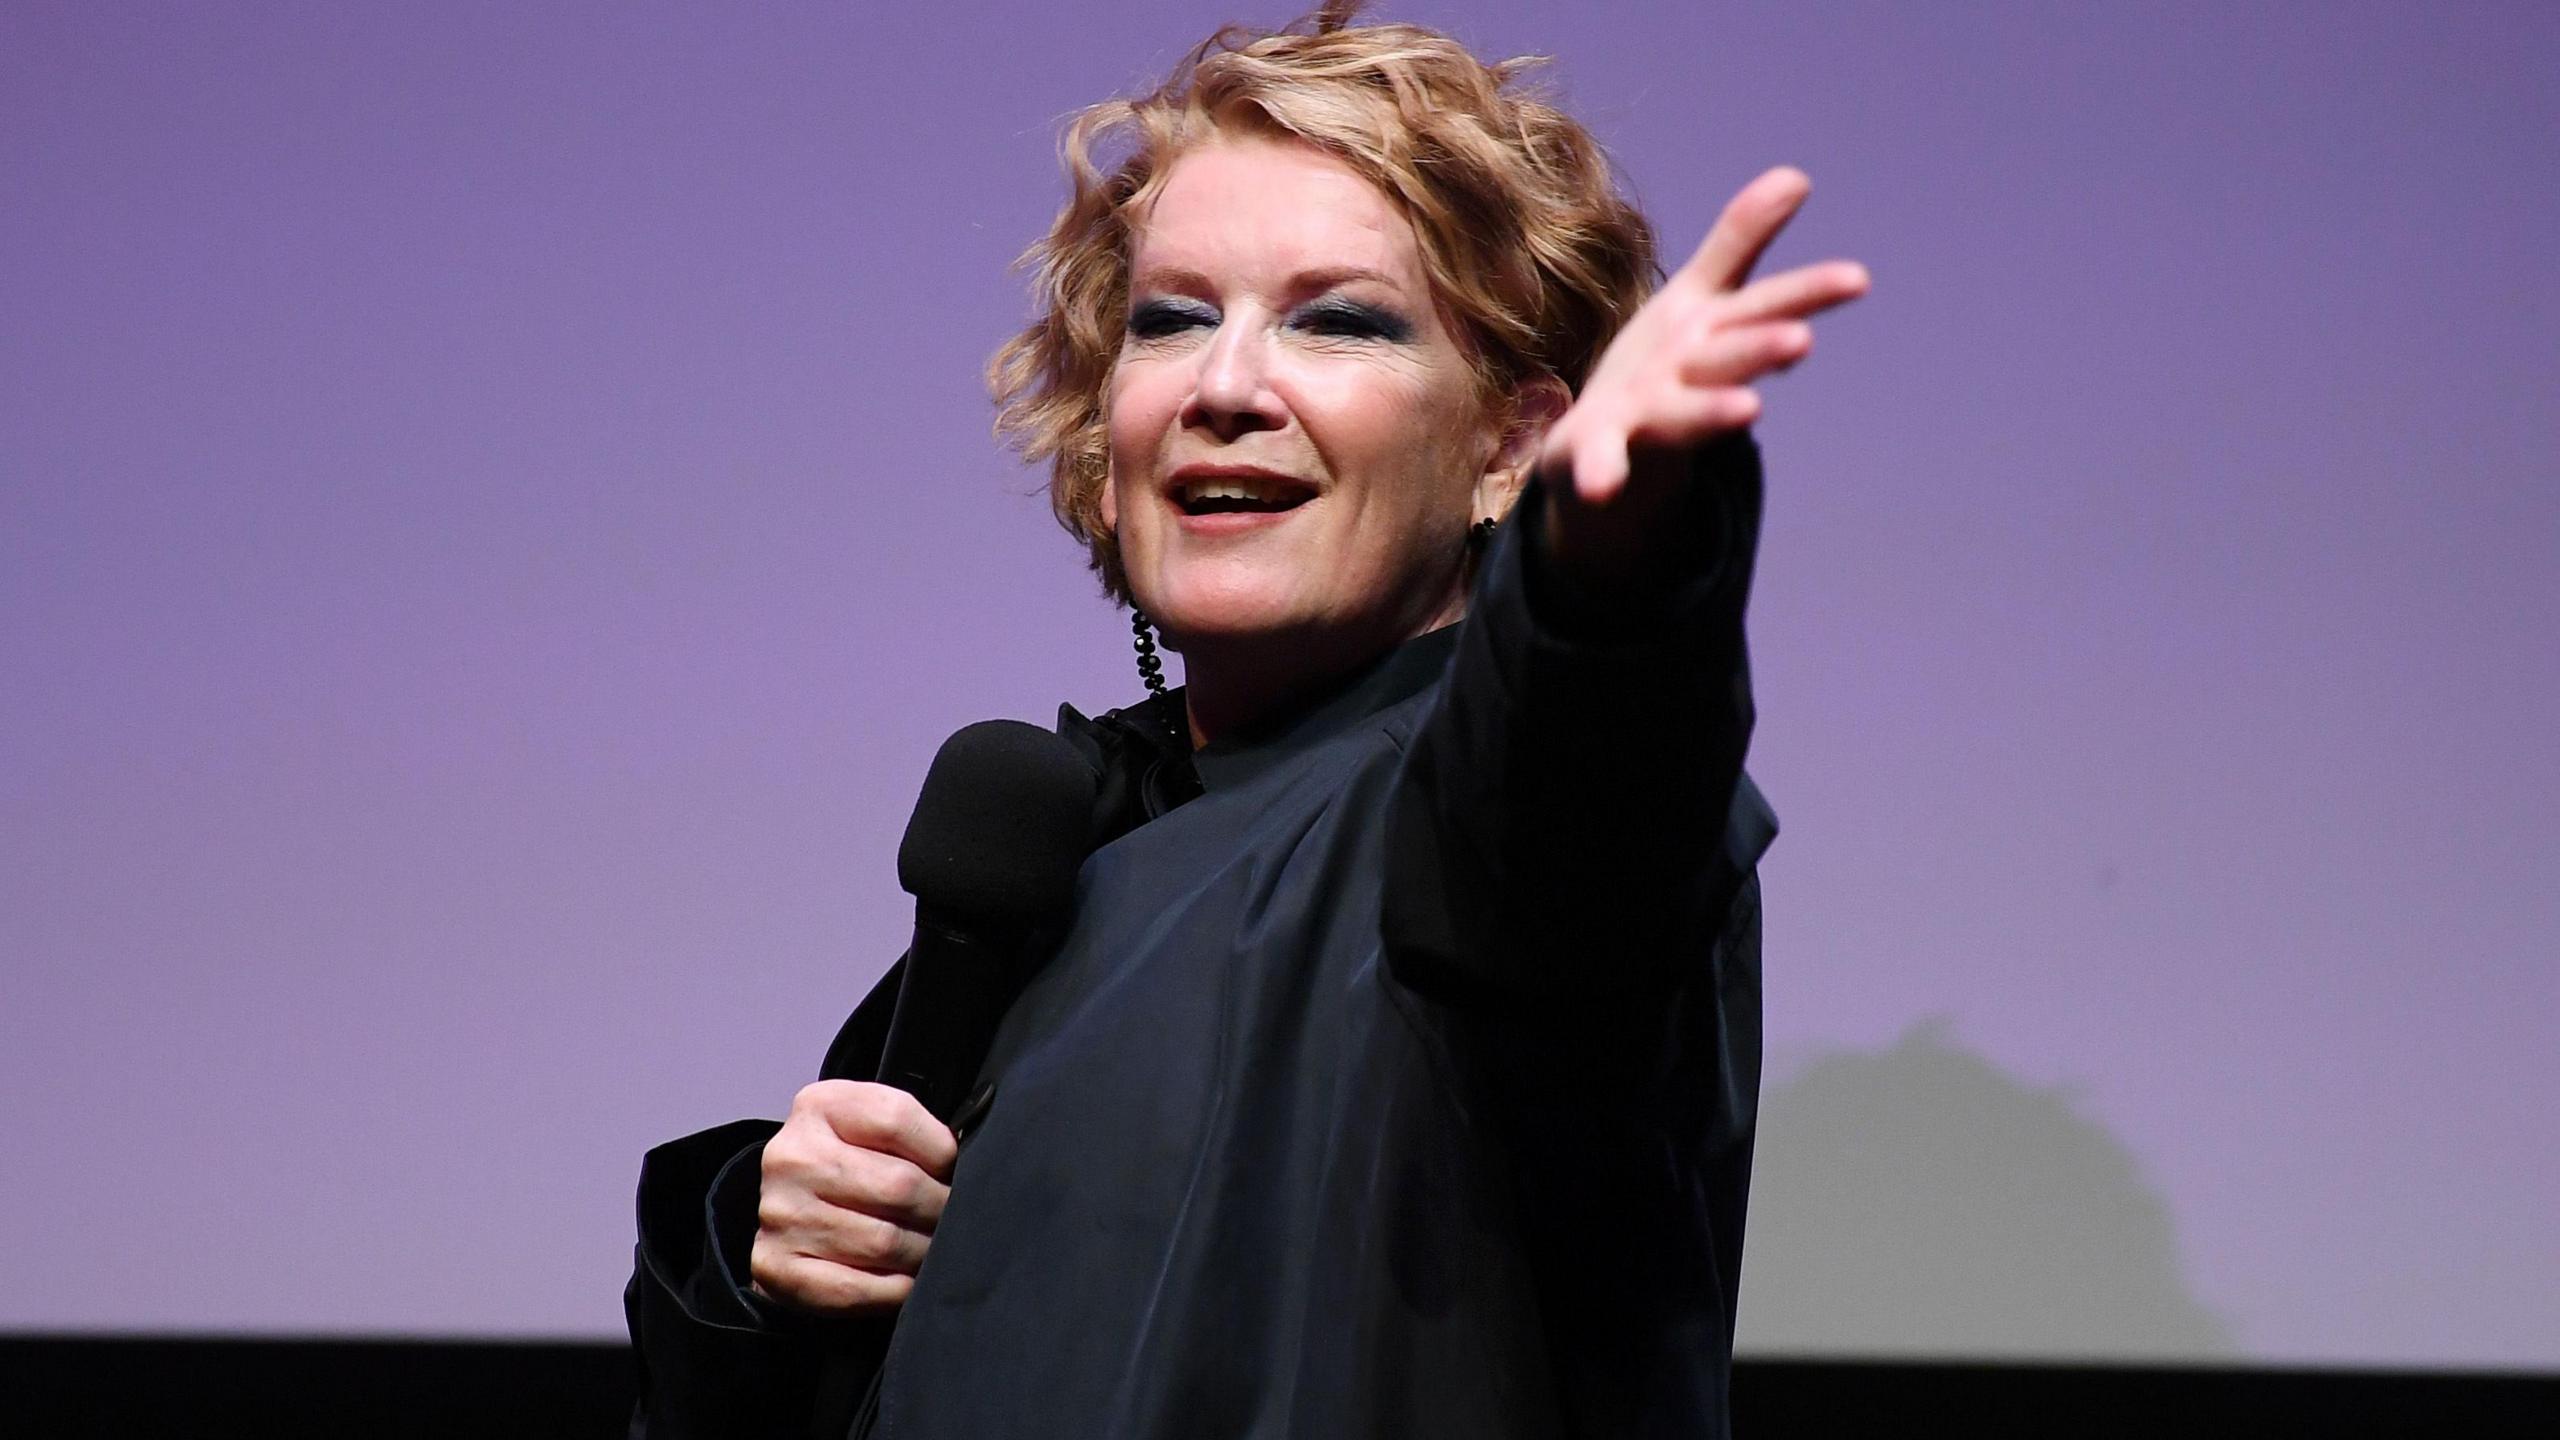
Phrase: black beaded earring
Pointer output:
(1150, 665)
(1480, 535)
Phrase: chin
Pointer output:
(1212, 602)
(1224, 620)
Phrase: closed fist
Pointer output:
(853, 1186)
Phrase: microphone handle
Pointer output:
(959, 983)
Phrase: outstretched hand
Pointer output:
(1680, 374)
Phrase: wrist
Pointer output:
(1673, 526)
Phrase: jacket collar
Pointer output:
(1142, 756)
(1141, 759)
(1399, 675)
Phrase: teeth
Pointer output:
(1232, 490)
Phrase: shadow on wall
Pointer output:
(1920, 1202)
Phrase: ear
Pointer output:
(1110, 503)
(1536, 403)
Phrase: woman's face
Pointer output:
(1297, 443)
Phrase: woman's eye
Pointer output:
(1350, 320)
(1158, 318)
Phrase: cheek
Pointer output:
(1125, 444)
(1427, 448)
(1137, 408)
(1140, 399)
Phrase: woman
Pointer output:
(1396, 1073)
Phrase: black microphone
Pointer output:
(1002, 825)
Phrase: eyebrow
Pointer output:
(1323, 277)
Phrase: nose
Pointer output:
(1231, 394)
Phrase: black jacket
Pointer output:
(1395, 1077)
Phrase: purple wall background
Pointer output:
(495, 514)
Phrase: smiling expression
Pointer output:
(1298, 442)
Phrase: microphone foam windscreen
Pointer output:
(1003, 823)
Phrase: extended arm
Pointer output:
(1573, 820)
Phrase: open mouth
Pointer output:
(1240, 495)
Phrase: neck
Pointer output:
(1237, 684)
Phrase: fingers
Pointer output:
(1590, 459)
(1690, 414)
(1599, 460)
(1681, 371)
(1798, 294)
(1741, 354)
(865, 1148)
(1703, 395)
(852, 1189)
(797, 1221)
(885, 1186)
(1751, 219)
(826, 1285)
(881, 1117)
(1601, 466)
(1700, 390)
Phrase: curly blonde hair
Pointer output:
(1523, 233)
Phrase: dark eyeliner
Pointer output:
(1350, 318)
(1151, 319)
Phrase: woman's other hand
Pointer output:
(853, 1186)
(1679, 375)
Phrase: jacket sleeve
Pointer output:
(1571, 822)
(715, 1358)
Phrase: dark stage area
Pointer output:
(58, 1386)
